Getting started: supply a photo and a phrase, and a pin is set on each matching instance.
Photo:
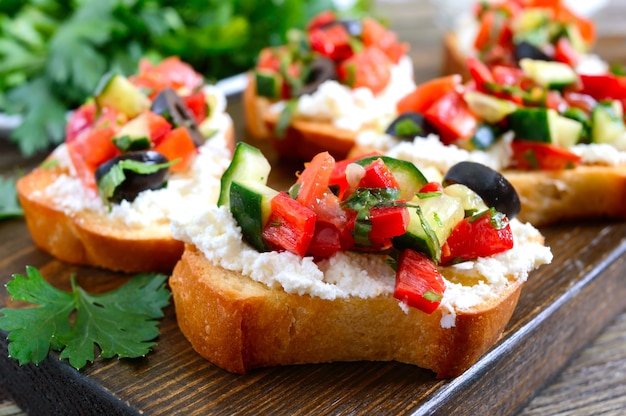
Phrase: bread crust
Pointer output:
(87, 238)
(240, 324)
(303, 139)
(453, 60)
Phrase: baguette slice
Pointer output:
(453, 59)
(91, 237)
(303, 139)
(241, 324)
(549, 197)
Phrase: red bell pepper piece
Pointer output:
(480, 73)
(425, 94)
(332, 41)
(603, 87)
(418, 282)
(537, 155)
(378, 175)
(452, 118)
(290, 226)
(325, 242)
(565, 52)
(178, 144)
(388, 222)
(338, 176)
(431, 187)
(196, 103)
(481, 235)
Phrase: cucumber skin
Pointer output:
(531, 124)
(246, 208)
(249, 164)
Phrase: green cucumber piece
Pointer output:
(250, 204)
(484, 137)
(607, 124)
(134, 135)
(545, 125)
(247, 164)
(487, 107)
(566, 132)
(550, 74)
(430, 224)
(409, 177)
(470, 200)
(116, 91)
(268, 83)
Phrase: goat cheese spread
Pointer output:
(215, 233)
(350, 109)
(184, 191)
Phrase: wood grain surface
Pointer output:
(538, 368)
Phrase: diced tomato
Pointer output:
(425, 94)
(579, 100)
(196, 103)
(321, 19)
(269, 58)
(452, 118)
(326, 241)
(378, 175)
(479, 73)
(507, 75)
(565, 52)
(369, 68)
(332, 41)
(81, 119)
(89, 150)
(545, 156)
(388, 222)
(290, 226)
(481, 235)
(485, 31)
(158, 126)
(178, 144)
(418, 282)
(431, 187)
(375, 34)
(170, 72)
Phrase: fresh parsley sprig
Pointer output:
(122, 322)
(9, 205)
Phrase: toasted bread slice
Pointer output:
(240, 324)
(86, 233)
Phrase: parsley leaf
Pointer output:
(121, 322)
(9, 206)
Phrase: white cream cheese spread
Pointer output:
(214, 232)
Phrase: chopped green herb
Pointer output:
(115, 176)
(285, 118)
(9, 205)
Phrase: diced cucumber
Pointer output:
(550, 74)
(530, 19)
(430, 224)
(607, 123)
(248, 164)
(134, 135)
(545, 125)
(408, 176)
(487, 107)
(484, 137)
(250, 204)
(268, 83)
(575, 38)
(470, 200)
(118, 92)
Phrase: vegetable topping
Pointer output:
(373, 204)
(136, 130)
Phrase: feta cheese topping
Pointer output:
(215, 233)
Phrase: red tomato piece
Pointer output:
(544, 156)
(321, 19)
(89, 150)
(290, 226)
(338, 176)
(486, 28)
(375, 34)
(431, 187)
(452, 118)
(158, 127)
(332, 41)
(479, 73)
(326, 241)
(388, 222)
(369, 68)
(196, 103)
(418, 282)
(170, 72)
(481, 235)
(378, 175)
(178, 144)
(565, 52)
(80, 120)
(579, 100)
(425, 94)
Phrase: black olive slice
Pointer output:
(489, 184)
(321, 69)
(525, 49)
(409, 125)
(134, 183)
(168, 104)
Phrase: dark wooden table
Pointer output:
(564, 351)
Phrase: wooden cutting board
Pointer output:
(562, 307)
